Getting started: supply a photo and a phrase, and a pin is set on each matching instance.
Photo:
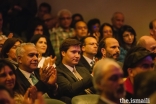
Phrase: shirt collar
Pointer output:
(26, 74)
(69, 67)
(89, 60)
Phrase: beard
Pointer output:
(113, 56)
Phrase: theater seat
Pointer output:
(85, 99)
(53, 101)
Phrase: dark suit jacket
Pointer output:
(83, 62)
(50, 90)
(68, 83)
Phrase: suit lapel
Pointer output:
(67, 71)
(23, 80)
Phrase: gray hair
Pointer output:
(20, 49)
(115, 14)
(99, 71)
(64, 11)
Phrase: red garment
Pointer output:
(128, 85)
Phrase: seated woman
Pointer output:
(41, 44)
(94, 27)
(8, 79)
(40, 29)
(127, 41)
(9, 50)
(106, 30)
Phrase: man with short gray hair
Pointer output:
(108, 81)
(62, 32)
(28, 75)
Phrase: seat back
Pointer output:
(85, 99)
(53, 101)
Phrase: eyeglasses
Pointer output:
(65, 18)
(92, 44)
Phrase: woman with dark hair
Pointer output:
(76, 17)
(127, 40)
(8, 79)
(106, 30)
(41, 44)
(9, 50)
(93, 28)
(39, 28)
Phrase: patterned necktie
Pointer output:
(33, 78)
(92, 63)
(78, 76)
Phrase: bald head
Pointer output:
(117, 20)
(147, 42)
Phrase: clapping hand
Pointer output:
(48, 75)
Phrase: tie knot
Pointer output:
(32, 75)
(92, 63)
(33, 78)
(74, 70)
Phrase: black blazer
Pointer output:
(83, 62)
(68, 83)
(50, 90)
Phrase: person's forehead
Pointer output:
(111, 41)
(81, 23)
(113, 70)
(30, 49)
(65, 14)
(75, 47)
(90, 39)
(119, 15)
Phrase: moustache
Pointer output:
(116, 54)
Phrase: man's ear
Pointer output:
(103, 51)
(63, 53)
(130, 72)
(19, 59)
(83, 48)
(151, 32)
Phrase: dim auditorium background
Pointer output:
(138, 13)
